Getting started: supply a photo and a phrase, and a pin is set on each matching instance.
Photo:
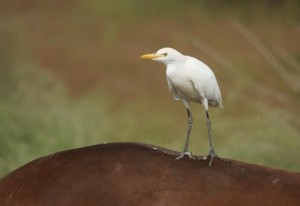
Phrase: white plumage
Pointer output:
(189, 79)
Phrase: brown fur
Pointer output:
(135, 174)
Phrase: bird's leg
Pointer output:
(212, 153)
(186, 145)
(208, 123)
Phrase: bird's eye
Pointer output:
(165, 54)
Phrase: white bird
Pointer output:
(190, 80)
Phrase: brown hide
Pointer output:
(121, 174)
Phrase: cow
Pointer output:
(123, 174)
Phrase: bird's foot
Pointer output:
(185, 154)
(212, 155)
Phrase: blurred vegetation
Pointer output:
(71, 76)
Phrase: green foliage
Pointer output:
(38, 117)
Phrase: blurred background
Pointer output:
(71, 76)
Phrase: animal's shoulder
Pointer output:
(197, 66)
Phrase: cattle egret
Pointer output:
(190, 80)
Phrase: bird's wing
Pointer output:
(205, 81)
(173, 89)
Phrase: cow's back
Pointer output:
(137, 174)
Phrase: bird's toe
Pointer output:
(185, 154)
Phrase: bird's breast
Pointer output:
(185, 88)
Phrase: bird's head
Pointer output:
(165, 55)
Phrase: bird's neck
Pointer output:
(175, 64)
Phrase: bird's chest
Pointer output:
(183, 83)
(178, 77)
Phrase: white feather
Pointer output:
(189, 79)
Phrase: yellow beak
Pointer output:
(151, 56)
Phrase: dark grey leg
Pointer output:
(186, 145)
(212, 155)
